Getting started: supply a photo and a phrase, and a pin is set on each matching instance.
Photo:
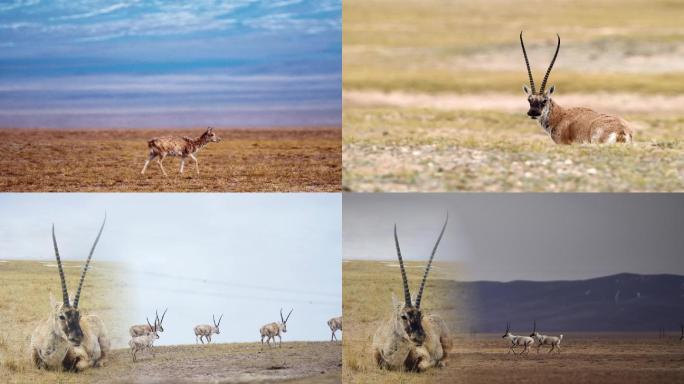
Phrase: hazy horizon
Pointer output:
(133, 64)
(508, 237)
(243, 255)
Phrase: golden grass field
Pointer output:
(256, 160)
(483, 358)
(24, 302)
(433, 101)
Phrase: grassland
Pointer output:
(259, 160)
(433, 101)
(482, 358)
(24, 302)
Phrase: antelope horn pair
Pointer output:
(161, 320)
(65, 294)
(288, 315)
(548, 71)
(407, 293)
(214, 319)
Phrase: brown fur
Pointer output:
(177, 146)
(584, 125)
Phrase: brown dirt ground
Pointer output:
(256, 160)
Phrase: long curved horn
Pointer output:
(527, 62)
(288, 315)
(219, 322)
(535, 326)
(407, 293)
(427, 268)
(87, 264)
(548, 71)
(162, 318)
(65, 294)
(281, 315)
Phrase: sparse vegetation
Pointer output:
(256, 160)
(433, 55)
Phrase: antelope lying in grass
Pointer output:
(144, 342)
(335, 324)
(206, 330)
(67, 340)
(177, 146)
(517, 341)
(410, 340)
(144, 329)
(571, 125)
(270, 331)
(540, 339)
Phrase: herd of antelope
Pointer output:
(528, 341)
(68, 340)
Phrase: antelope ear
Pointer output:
(526, 89)
(550, 91)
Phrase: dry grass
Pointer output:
(24, 295)
(442, 52)
(259, 160)
(24, 303)
(482, 358)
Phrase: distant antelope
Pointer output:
(571, 125)
(517, 341)
(67, 340)
(335, 324)
(540, 339)
(409, 340)
(143, 329)
(177, 146)
(682, 336)
(144, 342)
(206, 330)
(270, 331)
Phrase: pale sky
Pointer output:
(506, 237)
(243, 255)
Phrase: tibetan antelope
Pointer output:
(143, 329)
(540, 339)
(335, 324)
(571, 125)
(517, 341)
(410, 340)
(206, 330)
(270, 331)
(177, 146)
(67, 340)
(144, 342)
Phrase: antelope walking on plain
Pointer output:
(517, 341)
(143, 329)
(571, 125)
(144, 342)
(178, 146)
(335, 324)
(206, 330)
(540, 339)
(410, 340)
(67, 340)
(270, 331)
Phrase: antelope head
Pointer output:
(283, 321)
(534, 331)
(67, 316)
(154, 329)
(409, 315)
(211, 136)
(216, 325)
(508, 334)
(158, 321)
(538, 100)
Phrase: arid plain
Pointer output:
(483, 358)
(246, 160)
(24, 293)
